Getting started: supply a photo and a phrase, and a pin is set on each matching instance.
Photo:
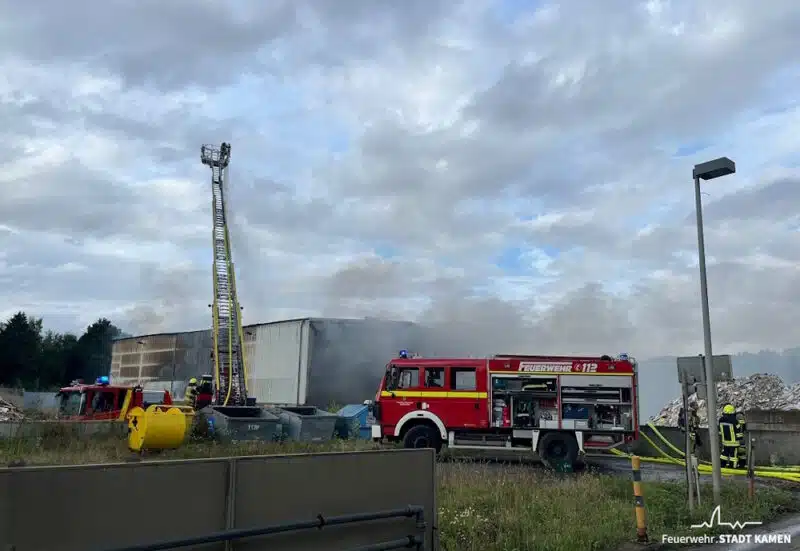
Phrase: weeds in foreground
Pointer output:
(486, 507)
(483, 506)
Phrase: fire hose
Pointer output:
(670, 445)
(791, 475)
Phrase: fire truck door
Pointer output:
(467, 399)
(102, 404)
(403, 390)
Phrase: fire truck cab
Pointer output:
(103, 401)
(557, 407)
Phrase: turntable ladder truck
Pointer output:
(230, 371)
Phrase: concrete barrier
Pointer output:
(43, 402)
(97, 507)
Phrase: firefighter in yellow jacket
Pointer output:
(190, 395)
(731, 436)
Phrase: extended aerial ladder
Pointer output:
(230, 373)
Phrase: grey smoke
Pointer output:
(171, 304)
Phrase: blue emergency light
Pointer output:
(623, 356)
(103, 380)
(403, 354)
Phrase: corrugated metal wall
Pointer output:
(162, 361)
(279, 355)
(309, 361)
(272, 353)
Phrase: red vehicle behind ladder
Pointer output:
(556, 406)
(103, 401)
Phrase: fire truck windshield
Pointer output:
(392, 378)
(72, 403)
(401, 377)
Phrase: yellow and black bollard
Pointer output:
(641, 517)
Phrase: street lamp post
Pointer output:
(708, 171)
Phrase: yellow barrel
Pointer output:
(156, 428)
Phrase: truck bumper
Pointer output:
(376, 432)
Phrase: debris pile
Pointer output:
(759, 391)
(8, 412)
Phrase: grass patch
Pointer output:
(483, 506)
(518, 508)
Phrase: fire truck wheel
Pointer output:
(556, 448)
(422, 436)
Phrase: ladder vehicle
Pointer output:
(557, 407)
(231, 413)
(103, 401)
(230, 375)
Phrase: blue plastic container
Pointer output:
(352, 422)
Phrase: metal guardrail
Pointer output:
(412, 541)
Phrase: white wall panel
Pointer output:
(277, 357)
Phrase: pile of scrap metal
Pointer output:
(9, 412)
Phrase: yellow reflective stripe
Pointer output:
(125, 405)
(727, 434)
(432, 394)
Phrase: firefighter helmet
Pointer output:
(192, 381)
(729, 409)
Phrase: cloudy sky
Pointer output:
(523, 166)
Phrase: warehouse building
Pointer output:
(312, 361)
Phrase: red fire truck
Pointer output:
(103, 401)
(556, 407)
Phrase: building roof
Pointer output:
(252, 325)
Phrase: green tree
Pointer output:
(94, 348)
(35, 360)
(60, 361)
(20, 350)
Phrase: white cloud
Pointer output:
(384, 157)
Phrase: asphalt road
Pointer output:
(650, 471)
(619, 466)
(604, 464)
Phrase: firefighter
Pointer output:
(206, 385)
(191, 392)
(204, 392)
(731, 436)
